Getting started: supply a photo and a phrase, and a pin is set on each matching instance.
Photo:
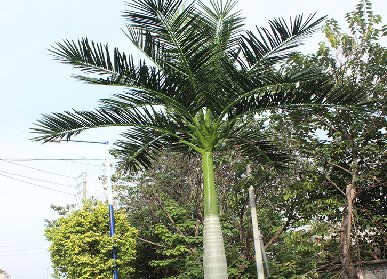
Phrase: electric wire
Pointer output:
(50, 159)
(41, 180)
(22, 250)
(28, 167)
(85, 164)
(29, 254)
(23, 245)
(37, 185)
(21, 132)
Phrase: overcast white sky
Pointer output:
(32, 83)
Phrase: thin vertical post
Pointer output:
(111, 209)
(256, 233)
(84, 187)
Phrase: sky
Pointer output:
(32, 83)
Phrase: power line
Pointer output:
(19, 175)
(85, 164)
(37, 185)
(17, 250)
(13, 127)
(28, 167)
(24, 245)
(49, 159)
(29, 254)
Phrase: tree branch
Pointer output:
(150, 242)
(160, 202)
(277, 234)
(334, 184)
(340, 167)
(281, 230)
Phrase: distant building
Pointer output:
(4, 274)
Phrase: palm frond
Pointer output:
(121, 70)
(271, 45)
(194, 43)
(162, 30)
(116, 69)
(257, 147)
(95, 58)
(68, 124)
(292, 96)
(221, 28)
(140, 147)
(137, 98)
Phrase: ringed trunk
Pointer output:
(214, 257)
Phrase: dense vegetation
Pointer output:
(319, 173)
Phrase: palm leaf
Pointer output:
(160, 29)
(94, 58)
(140, 147)
(257, 147)
(121, 70)
(68, 124)
(191, 42)
(303, 89)
(270, 46)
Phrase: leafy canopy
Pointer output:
(201, 76)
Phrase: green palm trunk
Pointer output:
(214, 260)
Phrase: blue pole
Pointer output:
(110, 201)
(111, 210)
(112, 231)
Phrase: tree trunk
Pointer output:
(214, 257)
(257, 236)
(345, 235)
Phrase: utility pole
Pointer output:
(84, 188)
(111, 210)
(256, 232)
(109, 194)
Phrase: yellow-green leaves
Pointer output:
(81, 247)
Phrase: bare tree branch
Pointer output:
(334, 184)
(340, 167)
(150, 242)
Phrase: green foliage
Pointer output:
(281, 197)
(170, 239)
(352, 151)
(209, 74)
(206, 82)
(201, 76)
(81, 247)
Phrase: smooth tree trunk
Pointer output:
(256, 235)
(345, 235)
(214, 257)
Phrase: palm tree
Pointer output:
(202, 76)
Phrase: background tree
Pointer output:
(164, 203)
(352, 156)
(81, 247)
(170, 224)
